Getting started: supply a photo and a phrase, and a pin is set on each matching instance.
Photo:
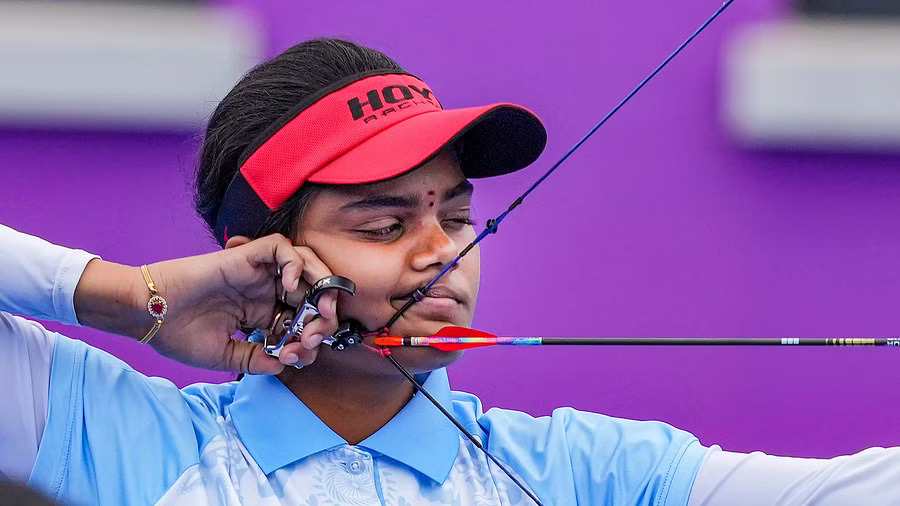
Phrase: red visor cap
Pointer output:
(496, 139)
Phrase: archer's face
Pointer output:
(390, 238)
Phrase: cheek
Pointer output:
(376, 275)
(377, 278)
(473, 269)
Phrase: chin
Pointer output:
(419, 360)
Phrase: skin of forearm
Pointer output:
(107, 298)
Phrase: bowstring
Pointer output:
(491, 228)
(491, 225)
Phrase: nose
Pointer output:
(434, 249)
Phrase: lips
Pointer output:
(442, 303)
(436, 292)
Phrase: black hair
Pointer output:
(261, 98)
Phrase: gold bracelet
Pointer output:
(156, 305)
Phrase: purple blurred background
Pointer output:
(660, 225)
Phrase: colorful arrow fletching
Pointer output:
(456, 338)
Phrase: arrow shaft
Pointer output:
(724, 341)
(639, 341)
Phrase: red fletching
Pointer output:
(452, 331)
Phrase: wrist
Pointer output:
(157, 306)
(113, 298)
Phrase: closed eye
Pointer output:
(456, 224)
(382, 232)
(394, 229)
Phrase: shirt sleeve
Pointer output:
(38, 280)
(745, 479)
(575, 457)
(25, 351)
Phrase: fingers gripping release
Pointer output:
(289, 322)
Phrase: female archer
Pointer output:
(330, 160)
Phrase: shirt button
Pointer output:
(355, 467)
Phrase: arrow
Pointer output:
(460, 338)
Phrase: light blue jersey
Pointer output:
(115, 436)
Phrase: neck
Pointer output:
(354, 406)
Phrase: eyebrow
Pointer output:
(463, 188)
(405, 201)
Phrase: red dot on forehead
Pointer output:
(431, 192)
(431, 204)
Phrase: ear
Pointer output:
(237, 240)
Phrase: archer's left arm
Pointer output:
(868, 477)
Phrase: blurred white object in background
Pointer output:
(830, 83)
(108, 65)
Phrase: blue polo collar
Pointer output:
(278, 429)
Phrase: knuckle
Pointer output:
(305, 252)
